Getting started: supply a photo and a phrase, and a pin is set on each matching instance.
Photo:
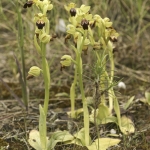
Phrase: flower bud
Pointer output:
(34, 72)
(66, 60)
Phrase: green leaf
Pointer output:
(117, 110)
(76, 113)
(74, 141)
(104, 143)
(101, 114)
(42, 128)
(103, 111)
(63, 94)
(34, 139)
(147, 96)
(127, 125)
(59, 136)
(62, 136)
(109, 119)
(72, 93)
(129, 102)
(79, 138)
(113, 135)
(106, 120)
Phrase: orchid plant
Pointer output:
(92, 30)
(41, 38)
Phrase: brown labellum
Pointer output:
(28, 4)
(84, 24)
(29, 77)
(40, 24)
(73, 12)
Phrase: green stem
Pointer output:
(72, 99)
(72, 92)
(85, 108)
(46, 75)
(101, 62)
(21, 43)
(111, 92)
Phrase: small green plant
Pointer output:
(91, 30)
(147, 98)
(20, 36)
(41, 38)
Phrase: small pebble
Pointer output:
(113, 131)
(121, 85)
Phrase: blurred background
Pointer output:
(131, 19)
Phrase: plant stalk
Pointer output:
(72, 93)
(111, 92)
(21, 43)
(85, 108)
(46, 75)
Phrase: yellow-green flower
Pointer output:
(69, 6)
(40, 17)
(66, 60)
(34, 71)
(74, 31)
(44, 5)
(45, 38)
(111, 34)
(107, 22)
(99, 22)
(83, 10)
